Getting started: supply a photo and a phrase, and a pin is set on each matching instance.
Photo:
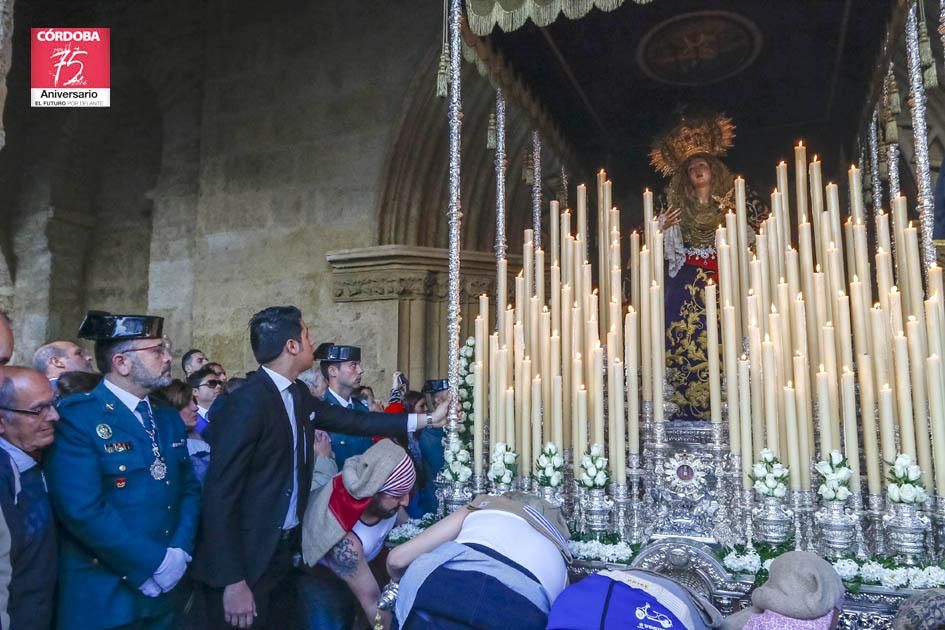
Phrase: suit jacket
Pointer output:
(249, 482)
(117, 521)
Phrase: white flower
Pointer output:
(844, 475)
(846, 569)
(470, 380)
(914, 473)
(752, 562)
(467, 405)
(827, 492)
(463, 394)
(591, 471)
(903, 461)
(465, 474)
(557, 461)
(501, 446)
(543, 460)
(759, 470)
(843, 493)
(586, 480)
(770, 481)
(778, 470)
(893, 492)
(460, 428)
(601, 479)
(596, 450)
(555, 480)
(585, 461)
(894, 578)
(549, 471)
(463, 456)
(496, 470)
(507, 477)
(549, 448)
(836, 457)
(907, 492)
(509, 458)
(921, 496)
(872, 572)
(760, 487)
(823, 468)
(780, 491)
(471, 341)
(455, 467)
(934, 576)
(767, 455)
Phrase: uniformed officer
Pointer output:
(431, 444)
(122, 484)
(341, 367)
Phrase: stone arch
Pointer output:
(414, 192)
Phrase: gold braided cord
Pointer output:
(508, 15)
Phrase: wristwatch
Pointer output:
(429, 421)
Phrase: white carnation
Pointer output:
(846, 569)
(767, 455)
(463, 456)
(894, 578)
(872, 572)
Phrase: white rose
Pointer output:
(844, 475)
(907, 492)
(903, 461)
(836, 457)
(496, 469)
(843, 493)
(921, 496)
(463, 394)
(778, 469)
(465, 474)
(770, 481)
(467, 405)
(550, 448)
(780, 491)
(759, 471)
(470, 380)
(460, 427)
(900, 472)
(549, 471)
(558, 461)
(601, 462)
(823, 468)
(893, 493)
(585, 461)
(760, 487)
(507, 477)
(601, 479)
(591, 471)
(596, 450)
(555, 480)
(586, 480)
(471, 341)
(543, 460)
(455, 467)
(827, 492)
(509, 458)
(500, 446)
(463, 456)
(767, 455)
(914, 473)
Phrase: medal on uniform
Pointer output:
(158, 469)
(104, 431)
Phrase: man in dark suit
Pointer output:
(259, 478)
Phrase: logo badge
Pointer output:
(104, 431)
(70, 67)
(121, 482)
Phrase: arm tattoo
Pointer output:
(343, 558)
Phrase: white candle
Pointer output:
(715, 378)
(477, 417)
(936, 387)
(631, 333)
(793, 444)
(744, 399)
(823, 411)
(848, 412)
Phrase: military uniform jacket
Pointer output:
(117, 521)
(343, 444)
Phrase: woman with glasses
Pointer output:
(182, 397)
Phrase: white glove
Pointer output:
(172, 568)
(150, 588)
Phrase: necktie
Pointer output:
(300, 450)
(147, 420)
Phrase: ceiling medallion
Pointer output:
(699, 48)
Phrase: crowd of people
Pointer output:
(133, 499)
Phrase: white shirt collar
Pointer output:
(127, 398)
(21, 460)
(203, 412)
(338, 397)
(282, 383)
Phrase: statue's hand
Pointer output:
(669, 218)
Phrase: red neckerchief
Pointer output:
(709, 264)
(345, 508)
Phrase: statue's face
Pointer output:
(700, 173)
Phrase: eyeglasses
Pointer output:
(162, 347)
(212, 384)
(38, 410)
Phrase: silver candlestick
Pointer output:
(859, 539)
(748, 497)
(480, 484)
(635, 532)
(797, 505)
(875, 515)
(621, 502)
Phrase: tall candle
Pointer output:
(521, 299)
(502, 386)
(620, 424)
(646, 354)
(816, 186)
(494, 389)
(545, 370)
(582, 427)
(856, 194)
(582, 219)
(936, 388)
(577, 382)
(715, 378)
(833, 372)
(536, 419)
(904, 397)
(833, 213)
(539, 279)
(741, 220)
(557, 423)
(556, 297)
(848, 411)
(553, 226)
(478, 409)
(824, 413)
(887, 431)
(634, 269)
(757, 390)
(800, 178)
(920, 405)
(731, 343)
(631, 353)
(510, 419)
(744, 401)
(658, 361)
(868, 419)
(772, 431)
(802, 406)
(793, 443)
(598, 363)
(845, 336)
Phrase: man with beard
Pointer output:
(122, 484)
(345, 527)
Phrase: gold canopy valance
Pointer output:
(509, 15)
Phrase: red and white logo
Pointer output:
(70, 67)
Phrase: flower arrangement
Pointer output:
(608, 549)
(457, 459)
(836, 476)
(594, 468)
(549, 467)
(467, 354)
(769, 475)
(905, 485)
(503, 466)
(410, 529)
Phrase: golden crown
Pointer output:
(698, 135)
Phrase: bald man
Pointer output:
(6, 339)
(57, 357)
(28, 419)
